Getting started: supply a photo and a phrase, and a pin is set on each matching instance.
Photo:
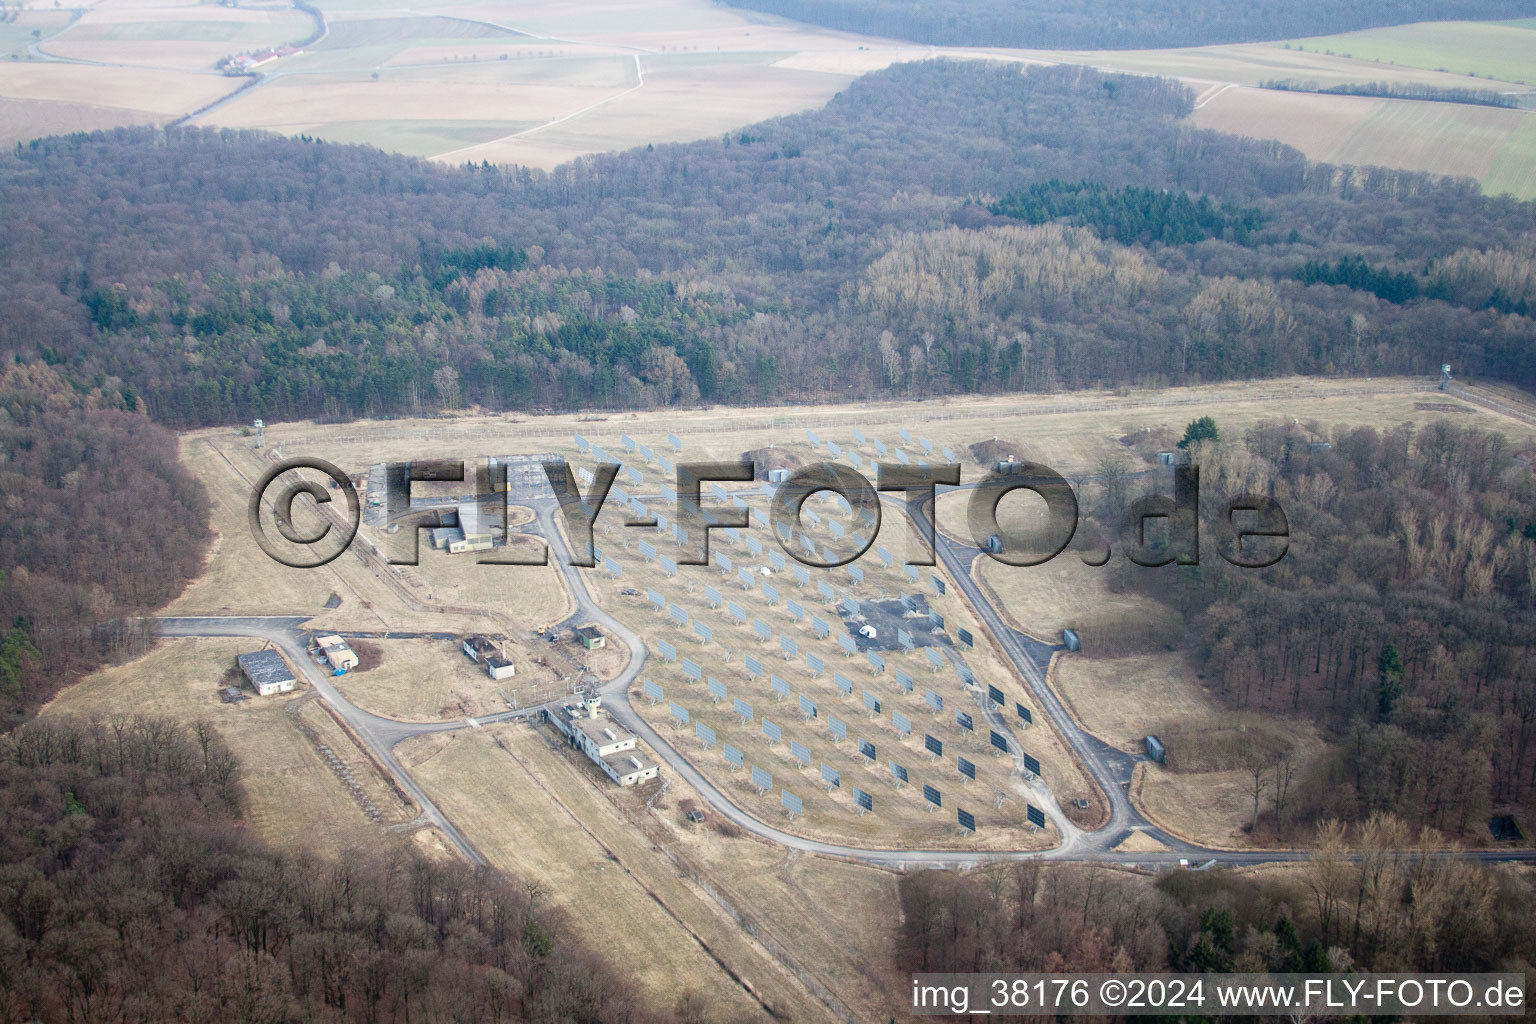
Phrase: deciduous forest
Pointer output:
(870, 248)
(132, 892)
(1402, 620)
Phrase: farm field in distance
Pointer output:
(539, 85)
(1500, 50)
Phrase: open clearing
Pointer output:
(536, 812)
(1485, 49)
(294, 798)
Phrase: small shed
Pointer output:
(1072, 641)
(1155, 750)
(478, 648)
(267, 672)
(338, 653)
(994, 544)
(591, 638)
(777, 475)
(498, 667)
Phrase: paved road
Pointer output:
(379, 733)
(1109, 766)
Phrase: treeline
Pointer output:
(101, 523)
(243, 275)
(1402, 619)
(1399, 91)
(1057, 24)
(132, 892)
(1131, 215)
(1364, 903)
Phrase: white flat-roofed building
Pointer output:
(609, 746)
(267, 672)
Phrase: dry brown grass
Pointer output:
(424, 680)
(534, 810)
(293, 797)
(900, 817)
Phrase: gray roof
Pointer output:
(263, 667)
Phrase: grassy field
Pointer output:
(293, 797)
(1499, 50)
(1489, 144)
(535, 811)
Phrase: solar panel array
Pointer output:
(996, 696)
(876, 662)
(653, 693)
(848, 644)
(999, 741)
(866, 748)
(761, 629)
(966, 768)
(717, 689)
(831, 776)
(904, 681)
(679, 614)
(1025, 714)
(705, 734)
(964, 636)
(780, 687)
(666, 650)
(807, 706)
(753, 666)
(702, 629)
(934, 700)
(1031, 765)
(966, 819)
(772, 731)
(737, 612)
(814, 663)
(799, 752)
(731, 754)
(743, 709)
(656, 598)
(933, 745)
(796, 612)
(843, 683)
(963, 720)
(820, 627)
(872, 702)
(691, 669)
(863, 799)
(678, 712)
(792, 803)
(932, 795)
(1035, 815)
(788, 646)
(899, 773)
(761, 779)
(902, 723)
(837, 727)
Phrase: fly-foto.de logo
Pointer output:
(1251, 531)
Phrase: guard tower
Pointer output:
(1445, 376)
(261, 432)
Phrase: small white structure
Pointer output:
(337, 652)
(498, 667)
(868, 632)
(267, 671)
